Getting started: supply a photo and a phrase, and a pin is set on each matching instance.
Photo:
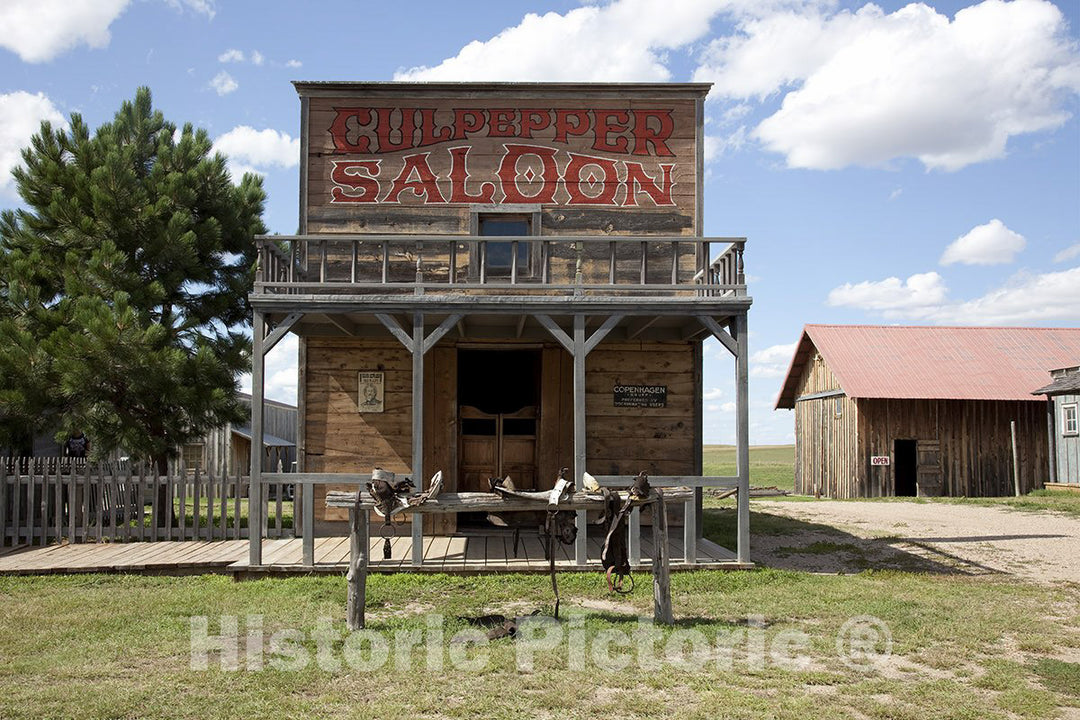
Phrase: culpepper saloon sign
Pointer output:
(421, 153)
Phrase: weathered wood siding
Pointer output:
(1066, 447)
(381, 160)
(625, 441)
(620, 441)
(337, 437)
(972, 439)
(964, 448)
(824, 439)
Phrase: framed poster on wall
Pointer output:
(371, 398)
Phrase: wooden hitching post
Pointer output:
(661, 563)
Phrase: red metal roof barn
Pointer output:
(892, 410)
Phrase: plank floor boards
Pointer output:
(463, 553)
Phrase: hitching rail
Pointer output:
(359, 537)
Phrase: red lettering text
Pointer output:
(459, 176)
(347, 174)
(645, 135)
(508, 174)
(339, 129)
(385, 127)
(425, 186)
(608, 181)
(637, 180)
(607, 122)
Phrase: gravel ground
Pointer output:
(839, 536)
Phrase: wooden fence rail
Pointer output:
(46, 500)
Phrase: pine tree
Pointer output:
(123, 285)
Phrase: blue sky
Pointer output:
(889, 163)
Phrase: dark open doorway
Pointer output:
(905, 467)
(498, 420)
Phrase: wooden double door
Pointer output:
(497, 445)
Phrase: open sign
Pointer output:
(879, 459)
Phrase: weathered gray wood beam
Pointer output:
(601, 332)
(418, 427)
(720, 334)
(742, 435)
(255, 494)
(692, 331)
(639, 325)
(342, 323)
(437, 334)
(390, 323)
(520, 325)
(557, 332)
(450, 502)
(279, 331)
(461, 327)
(581, 546)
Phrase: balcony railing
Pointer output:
(578, 265)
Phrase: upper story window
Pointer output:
(1069, 420)
(498, 256)
(839, 406)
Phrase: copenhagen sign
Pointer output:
(502, 155)
(646, 396)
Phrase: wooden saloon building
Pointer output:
(497, 280)
(890, 410)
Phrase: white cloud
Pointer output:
(624, 40)
(869, 87)
(1024, 300)
(293, 63)
(773, 361)
(257, 58)
(895, 194)
(251, 150)
(39, 30)
(231, 55)
(1068, 253)
(891, 294)
(224, 83)
(21, 114)
(989, 244)
(712, 394)
(203, 7)
(280, 371)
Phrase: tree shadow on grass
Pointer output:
(787, 543)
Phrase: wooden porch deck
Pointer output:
(458, 554)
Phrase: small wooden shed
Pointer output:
(891, 410)
(1064, 425)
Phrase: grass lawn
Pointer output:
(762, 644)
(769, 464)
(119, 646)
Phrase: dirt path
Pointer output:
(838, 536)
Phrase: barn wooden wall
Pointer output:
(974, 437)
(824, 442)
(964, 447)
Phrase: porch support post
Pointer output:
(581, 545)
(418, 432)
(258, 363)
(579, 347)
(742, 435)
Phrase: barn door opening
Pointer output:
(498, 419)
(905, 467)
